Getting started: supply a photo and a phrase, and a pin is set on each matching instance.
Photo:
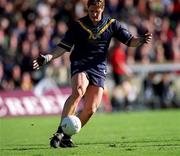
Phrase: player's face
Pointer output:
(95, 13)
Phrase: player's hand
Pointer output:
(146, 38)
(40, 61)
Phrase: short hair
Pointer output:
(100, 3)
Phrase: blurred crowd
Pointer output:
(31, 27)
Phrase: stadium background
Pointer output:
(139, 124)
(28, 28)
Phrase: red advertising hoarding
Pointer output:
(26, 103)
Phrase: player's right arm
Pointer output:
(44, 59)
(65, 45)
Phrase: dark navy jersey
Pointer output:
(90, 43)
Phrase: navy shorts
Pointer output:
(95, 76)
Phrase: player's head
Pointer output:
(100, 3)
(95, 9)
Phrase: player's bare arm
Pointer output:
(44, 59)
(137, 41)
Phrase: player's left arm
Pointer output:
(124, 36)
(138, 41)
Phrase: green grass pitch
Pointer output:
(149, 133)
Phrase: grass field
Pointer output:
(120, 134)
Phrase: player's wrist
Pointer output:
(47, 58)
(142, 39)
(44, 59)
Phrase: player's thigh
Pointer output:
(93, 97)
(79, 83)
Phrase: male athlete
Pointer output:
(88, 40)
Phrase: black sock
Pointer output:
(59, 130)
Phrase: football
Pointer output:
(71, 125)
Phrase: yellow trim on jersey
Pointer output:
(91, 35)
(85, 28)
(106, 26)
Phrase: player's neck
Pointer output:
(95, 23)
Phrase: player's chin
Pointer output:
(96, 19)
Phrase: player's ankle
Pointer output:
(59, 130)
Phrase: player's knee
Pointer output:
(78, 93)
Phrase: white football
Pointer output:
(71, 125)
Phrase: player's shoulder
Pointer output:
(74, 25)
(116, 23)
(108, 21)
(74, 22)
(108, 18)
(82, 19)
(78, 21)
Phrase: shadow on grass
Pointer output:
(127, 145)
(26, 147)
(138, 143)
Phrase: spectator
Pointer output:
(176, 44)
(26, 83)
(124, 97)
(28, 28)
(164, 91)
(16, 76)
(2, 78)
(150, 99)
(113, 8)
(120, 68)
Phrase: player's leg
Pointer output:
(79, 86)
(92, 100)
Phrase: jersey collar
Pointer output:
(90, 23)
